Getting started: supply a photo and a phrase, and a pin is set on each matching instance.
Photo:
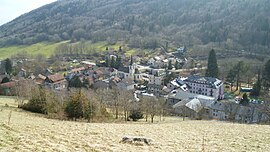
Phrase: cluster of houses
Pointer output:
(193, 96)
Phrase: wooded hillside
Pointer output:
(238, 24)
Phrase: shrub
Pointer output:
(36, 106)
(135, 115)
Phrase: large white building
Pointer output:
(207, 86)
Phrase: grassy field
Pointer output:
(31, 132)
(47, 49)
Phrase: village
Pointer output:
(186, 91)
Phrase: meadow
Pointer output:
(32, 132)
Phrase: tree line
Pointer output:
(86, 104)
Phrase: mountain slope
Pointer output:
(241, 24)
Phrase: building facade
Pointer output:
(207, 86)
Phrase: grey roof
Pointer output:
(213, 82)
(217, 106)
(124, 69)
(155, 86)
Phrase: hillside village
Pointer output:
(186, 91)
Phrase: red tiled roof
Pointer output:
(78, 69)
(56, 77)
(8, 84)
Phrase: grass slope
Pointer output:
(29, 132)
(47, 49)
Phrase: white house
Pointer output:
(130, 72)
(205, 86)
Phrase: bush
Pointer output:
(135, 115)
(35, 106)
(74, 109)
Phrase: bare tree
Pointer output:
(152, 106)
(125, 100)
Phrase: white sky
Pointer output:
(10, 9)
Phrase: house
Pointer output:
(101, 84)
(249, 114)
(180, 95)
(8, 88)
(155, 89)
(56, 82)
(155, 84)
(22, 73)
(126, 84)
(205, 86)
(40, 79)
(193, 108)
(130, 72)
(181, 50)
(218, 111)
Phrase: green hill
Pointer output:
(147, 24)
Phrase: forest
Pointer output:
(147, 24)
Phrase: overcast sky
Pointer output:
(10, 9)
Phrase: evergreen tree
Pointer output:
(8, 66)
(118, 62)
(75, 82)
(244, 100)
(107, 62)
(177, 66)
(212, 66)
(74, 107)
(131, 60)
(266, 75)
(170, 65)
(113, 62)
(257, 87)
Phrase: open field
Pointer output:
(46, 49)
(31, 132)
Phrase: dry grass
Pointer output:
(29, 132)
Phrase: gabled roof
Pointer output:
(41, 77)
(8, 84)
(78, 69)
(127, 81)
(56, 77)
(217, 106)
(213, 82)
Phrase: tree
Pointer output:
(231, 77)
(8, 66)
(266, 76)
(75, 82)
(257, 87)
(244, 100)
(90, 106)
(74, 106)
(131, 60)
(118, 63)
(235, 73)
(152, 107)
(212, 66)
(170, 65)
(177, 65)
(113, 62)
(135, 115)
(240, 69)
(107, 62)
(125, 100)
